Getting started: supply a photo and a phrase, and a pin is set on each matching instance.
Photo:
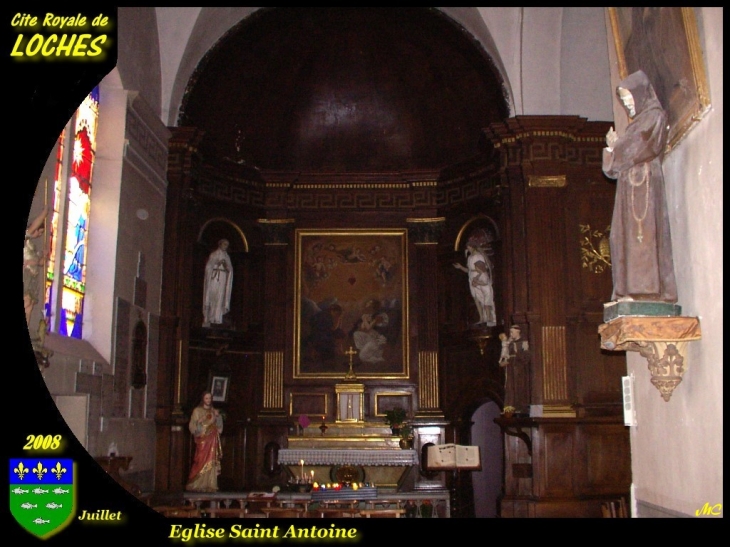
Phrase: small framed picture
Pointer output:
(218, 387)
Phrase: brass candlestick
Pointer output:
(323, 427)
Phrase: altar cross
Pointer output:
(350, 373)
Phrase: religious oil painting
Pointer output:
(351, 304)
(664, 43)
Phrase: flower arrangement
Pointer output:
(508, 410)
(395, 417)
(406, 432)
(301, 424)
(406, 436)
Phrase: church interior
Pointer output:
(366, 167)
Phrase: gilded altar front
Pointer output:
(348, 451)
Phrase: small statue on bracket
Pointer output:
(641, 243)
(515, 358)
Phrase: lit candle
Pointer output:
(301, 462)
(311, 473)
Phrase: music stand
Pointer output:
(455, 458)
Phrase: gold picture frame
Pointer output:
(351, 295)
(664, 43)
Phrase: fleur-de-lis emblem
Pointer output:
(21, 471)
(39, 470)
(58, 470)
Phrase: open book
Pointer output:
(453, 456)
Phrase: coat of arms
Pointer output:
(42, 494)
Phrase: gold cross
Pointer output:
(351, 352)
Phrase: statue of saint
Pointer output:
(641, 244)
(206, 425)
(33, 263)
(218, 285)
(479, 268)
(515, 358)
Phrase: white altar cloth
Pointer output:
(289, 456)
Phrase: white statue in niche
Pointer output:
(218, 285)
(479, 267)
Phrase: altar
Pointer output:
(383, 468)
(348, 450)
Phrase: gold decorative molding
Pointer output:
(383, 394)
(595, 248)
(313, 394)
(425, 231)
(276, 220)
(555, 364)
(547, 181)
(428, 379)
(224, 220)
(350, 403)
(177, 403)
(662, 341)
(431, 219)
(558, 411)
(354, 186)
(562, 134)
(479, 217)
(273, 379)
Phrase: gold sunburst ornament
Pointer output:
(595, 249)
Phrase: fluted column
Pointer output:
(425, 233)
(277, 234)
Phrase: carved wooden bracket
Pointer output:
(513, 428)
(662, 341)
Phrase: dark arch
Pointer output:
(328, 89)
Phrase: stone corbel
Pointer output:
(662, 341)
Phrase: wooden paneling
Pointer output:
(554, 454)
(543, 183)
(607, 466)
(576, 463)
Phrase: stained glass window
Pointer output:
(70, 220)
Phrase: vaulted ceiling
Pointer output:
(344, 90)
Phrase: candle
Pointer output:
(301, 463)
(311, 474)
